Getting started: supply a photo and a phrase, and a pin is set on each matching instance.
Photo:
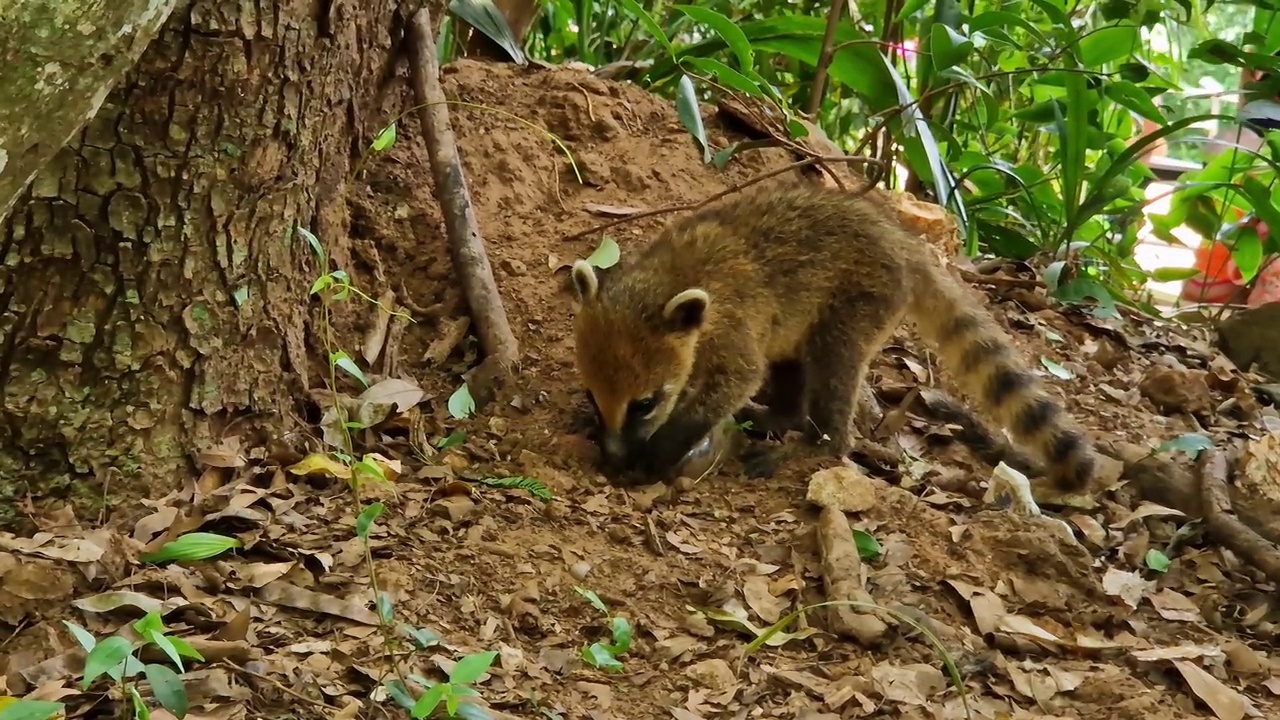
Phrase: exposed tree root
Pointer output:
(466, 246)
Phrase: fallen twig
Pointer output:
(1224, 526)
(871, 182)
(465, 243)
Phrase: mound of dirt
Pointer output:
(1039, 626)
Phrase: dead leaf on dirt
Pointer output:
(1126, 585)
(1147, 509)
(611, 210)
(908, 684)
(713, 674)
(282, 593)
(108, 601)
(71, 549)
(1177, 652)
(320, 464)
(225, 455)
(986, 606)
(394, 393)
(1023, 625)
(259, 574)
(1041, 683)
(756, 592)
(681, 544)
(727, 619)
(1272, 684)
(1226, 703)
(1173, 605)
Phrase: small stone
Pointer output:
(454, 508)
(1177, 391)
(514, 267)
(842, 488)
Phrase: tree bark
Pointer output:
(154, 287)
(60, 60)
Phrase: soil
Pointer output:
(498, 569)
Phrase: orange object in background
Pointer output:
(1220, 280)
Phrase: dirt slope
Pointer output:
(497, 569)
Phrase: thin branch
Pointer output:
(466, 246)
(737, 188)
(824, 59)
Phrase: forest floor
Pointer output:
(1038, 625)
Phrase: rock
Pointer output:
(1252, 337)
(1177, 391)
(843, 488)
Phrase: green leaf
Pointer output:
(1123, 92)
(82, 636)
(367, 516)
(470, 668)
(140, 709)
(193, 546)
(454, 439)
(429, 700)
(149, 623)
(691, 115)
(105, 656)
(1109, 44)
(185, 650)
(167, 686)
(488, 19)
(621, 630)
(948, 46)
(314, 242)
(1246, 252)
(727, 29)
(1055, 369)
(606, 254)
(386, 138)
(1172, 274)
(1157, 561)
(30, 710)
(599, 656)
(461, 404)
(725, 74)
(1192, 444)
(165, 643)
(386, 607)
(868, 547)
(343, 361)
(420, 637)
(1072, 147)
(649, 23)
(592, 598)
(909, 8)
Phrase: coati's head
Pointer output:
(635, 353)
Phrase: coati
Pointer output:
(785, 276)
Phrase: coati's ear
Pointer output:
(585, 282)
(687, 309)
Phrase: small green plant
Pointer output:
(466, 671)
(116, 658)
(527, 484)
(604, 656)
(192, 546)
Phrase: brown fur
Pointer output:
(774, 276)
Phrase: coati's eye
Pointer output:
(644, 406)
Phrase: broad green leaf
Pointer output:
(726, 29)
(1134, 98)
(470, 668)
(140, 709)
(868, 547)
(461, 404)
(386, 607)
(420, 637)
(29, 709)
(1246, 252)
(1056, 369)
(165, 643)
(367, 516)
(634, 8)
(1000, 19)
(488, 19)
(621, 630)
(949, 47)
(106, 655)
(82, 636)
(1071, 149)
(1157, 560)
(185, 650)
(592, 598)
(909, 8)
(599, 656)
(167, 686)
(690, 115)
(1191, 444)
(193, 546)
(429, 700)
(725, 74)
(386, 138)
(149, 623)
(606, 254)
(1173, 274)
(344, 362)
(1108, 44)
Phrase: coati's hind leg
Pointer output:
(837, 356)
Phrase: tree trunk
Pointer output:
(61, 58)
(154, 285)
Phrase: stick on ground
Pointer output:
(466, 246)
